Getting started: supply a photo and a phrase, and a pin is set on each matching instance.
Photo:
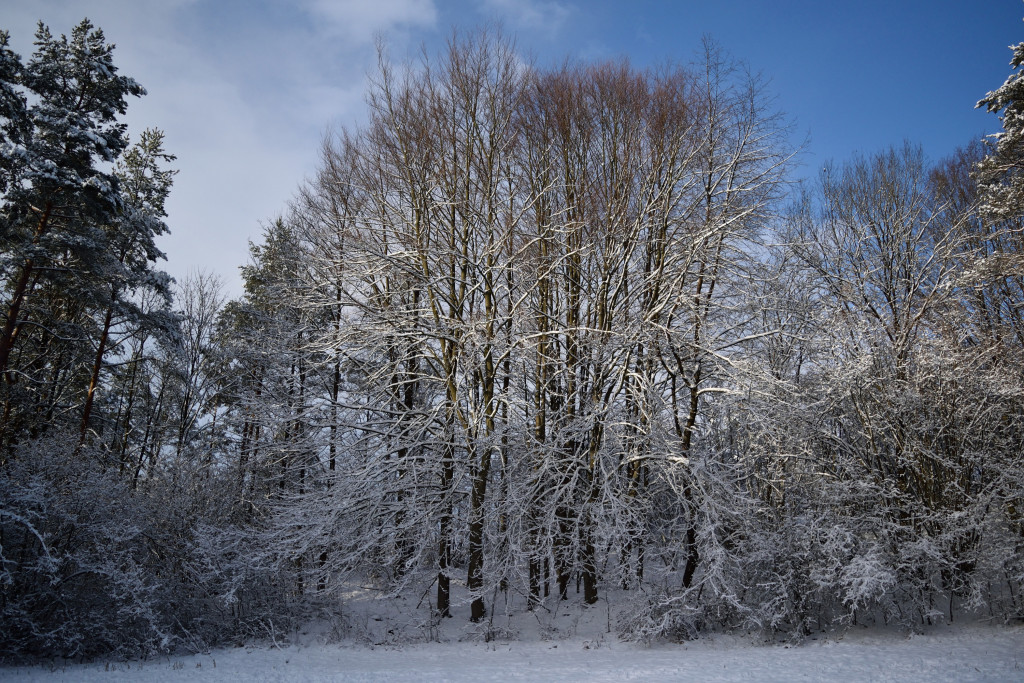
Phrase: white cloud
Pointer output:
(243, 93)
(360, 20)
(545, 16)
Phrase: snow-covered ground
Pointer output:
(972, 653)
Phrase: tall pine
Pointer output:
(1001, 174)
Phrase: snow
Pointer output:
(975, 653)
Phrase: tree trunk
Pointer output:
(444, 531)
(21, 289)
(94, 380)
(475, 580)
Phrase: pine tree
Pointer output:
(58, 196)
(130, 251)
(1001, 174)
(13, 112)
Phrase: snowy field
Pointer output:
(945, 654)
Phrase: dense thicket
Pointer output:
(112, 535)
(528, 334)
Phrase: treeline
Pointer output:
(527, 335)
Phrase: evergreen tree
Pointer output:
(60, 209)
(130, 252)
(58, 194)
(1002, 173)
(13, 113)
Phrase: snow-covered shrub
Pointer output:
(865, 495)
(77, 560)
(91, 566)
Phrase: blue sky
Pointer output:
(245, 89)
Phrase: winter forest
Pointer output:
(528, 335)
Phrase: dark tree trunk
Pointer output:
(475, 579)
(94, 379)
(20, 291)
(444, 551)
